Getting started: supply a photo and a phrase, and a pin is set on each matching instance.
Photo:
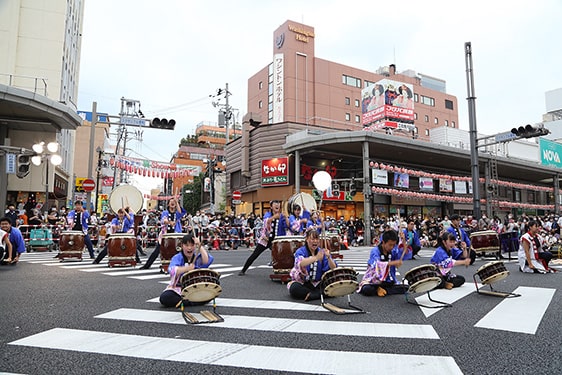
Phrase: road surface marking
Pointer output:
(519, 314)
(444, 295)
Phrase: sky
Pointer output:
(171, 55)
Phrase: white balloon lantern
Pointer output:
(322, 180)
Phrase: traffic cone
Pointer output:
(345, 241)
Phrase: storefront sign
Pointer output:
(275, 172)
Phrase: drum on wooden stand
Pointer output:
(283, 256)
(485, 241)
(200, 285)
(170, 246)
(489, 274)
(121, 249)
(71, 244)
(423, 279)
(331, 241)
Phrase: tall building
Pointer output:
(300, 87)
(41, 42)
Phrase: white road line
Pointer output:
(259, 323)
(239, 355)
(519, 314)
(444, 295)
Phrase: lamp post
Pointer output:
(48, 153)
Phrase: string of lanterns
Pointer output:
(418, 173)
(160, 197)
(150, 168)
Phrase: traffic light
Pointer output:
(162, 123)
(23, 165)
(352, 188)
(530, 131)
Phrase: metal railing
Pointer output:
(35, 84)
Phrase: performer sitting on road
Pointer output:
(16, 239)
(192, 256)
(447, 256)
(311, 262)
(531, 256)
(461, 237)
(380, 277)
(5, 247)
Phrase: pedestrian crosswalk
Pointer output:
(263, 320)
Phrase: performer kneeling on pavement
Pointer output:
(311, 262)
(380, 277)
(447, 256)
(192, 256)
(531, 255)
(123, 223)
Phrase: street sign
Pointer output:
(88, 184)
(236, 197)
(134, 121)
(505, 137)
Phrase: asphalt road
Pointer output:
(79, 318)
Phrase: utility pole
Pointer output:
(471, 97)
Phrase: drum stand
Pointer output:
(440, 303)
(339, 310)
(210, 316)
(493, 292)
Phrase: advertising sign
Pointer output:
(426, 183)
(379, 176)
(550, 153)
(445, 185)
(278, 88)
(387, 99)
(275, 172)
(401, 180)
(460, 187)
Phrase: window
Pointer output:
(357, 103)
(428, 101)
(260, 104)
(427, 132)
(347, 117)
(368, 83)
(426, 118)
(415, 116)
(357, 118)
(436, 121)
(416, 98)
(448, 104)
(446, 122)
(260, 85)
(452, 124)
(347, 101)
(351, 81)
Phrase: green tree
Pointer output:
(192, 194)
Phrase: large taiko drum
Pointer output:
(304, 200)
(170, 246)
(126, 196)
(492, 272)
(422, 279)
(331, 241)
(485, 241)
(121, 249)
(71, 244)
(339, 281)
(200, 285)
(283, 252)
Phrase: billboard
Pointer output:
(387, 99)
(550, 153)
(402, 180)
(426, 183)
(275, 172)
(278, 88)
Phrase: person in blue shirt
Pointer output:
(380, 277)
(297, 222)
(460, 235)
(412, 240)
(275, 224)
(193, 256)
(315, 222)
(447, 256)
(311, 263)
(15, 237)
(171, 223)
(78, 220)
(122, 223)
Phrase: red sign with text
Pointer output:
(275, 172)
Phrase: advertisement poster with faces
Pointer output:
(401, 180)
(445, 185)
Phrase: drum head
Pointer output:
(126, 196)
(488, 265)
(201, 292)
(305, 200)
(341, 288)
(414, 271)
(425, 285)
(495, 278)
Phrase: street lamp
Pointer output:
(49, 154)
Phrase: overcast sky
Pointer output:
(172, 54)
